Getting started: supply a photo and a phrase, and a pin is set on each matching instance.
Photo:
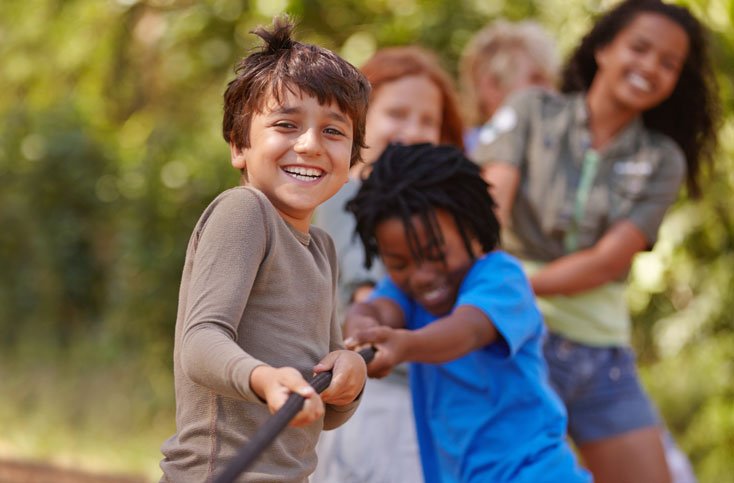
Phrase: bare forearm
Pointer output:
(466, 330)
(607, 260)
(380, 310)
(572, 274)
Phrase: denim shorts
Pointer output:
(600, 388)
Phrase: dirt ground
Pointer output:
(31, 472)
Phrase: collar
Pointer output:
(630, 135)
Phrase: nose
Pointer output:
(423, 277)
(412, 132)
(649, 63)
(308, 143)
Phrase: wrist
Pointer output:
(405, 347)
(259, 378)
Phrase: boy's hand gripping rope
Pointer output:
(277, 422)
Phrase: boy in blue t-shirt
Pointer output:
(464, 314)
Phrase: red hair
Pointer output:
(393, 63)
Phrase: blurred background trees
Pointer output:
(110, 147)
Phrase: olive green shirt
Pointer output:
(569, 195)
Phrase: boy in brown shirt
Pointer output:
(257, 301)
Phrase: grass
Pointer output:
(85, 410)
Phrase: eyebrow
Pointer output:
(391, 255)
(337, 116)
(670, 55)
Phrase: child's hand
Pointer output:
(391, 347)
(274, 385)
(349, 374)
(356, 323)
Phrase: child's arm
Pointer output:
(380, 311)
(463, 331)
(274, 385)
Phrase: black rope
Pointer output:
(264, 436)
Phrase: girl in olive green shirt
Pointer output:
(583, 181)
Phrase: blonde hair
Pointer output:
(493, 51)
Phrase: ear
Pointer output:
(490, 94)
(237, 156)
(600, 55)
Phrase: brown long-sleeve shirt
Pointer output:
(253, 291)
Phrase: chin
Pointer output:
(439, 310)
(636, 103)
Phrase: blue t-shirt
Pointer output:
(490, 416)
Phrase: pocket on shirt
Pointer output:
(629, 186)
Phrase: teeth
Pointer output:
(431, 295)
(303, 173)
(639, 82)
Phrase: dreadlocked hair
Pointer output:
(408, 181)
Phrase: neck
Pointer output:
(606, 116)
(300, 224)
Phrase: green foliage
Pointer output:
(110, 147)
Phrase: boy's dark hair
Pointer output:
(416, 180)
(690, 115)
(283, 64)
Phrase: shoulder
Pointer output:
(241, 198)
(524, 111)
(320, 236)
(538, 99)
(325, 244)
(498, 286)
(498, 262)
(671, 155)
(236, 218)
(497, 274)
(238, 209)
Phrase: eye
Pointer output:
(394, 264)
(332, 131)
(396, 113)
(284, 124)
(670, 64)
(638, 46)
(430, 122)
(435, 256)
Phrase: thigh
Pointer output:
(633, 457)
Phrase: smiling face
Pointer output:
(407, 111)
(434, 281)
(298, 156)
(640, 67)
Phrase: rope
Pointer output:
(264, 436)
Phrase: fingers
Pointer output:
(288, 380)
(367, 336)
(381, 365)
(313, 409)
(349, 374)
(327, 363)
